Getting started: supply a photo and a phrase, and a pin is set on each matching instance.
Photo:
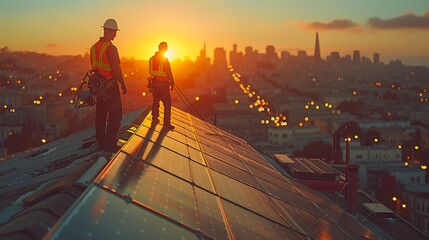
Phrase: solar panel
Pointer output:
(314, 226)
(232, 172)
(282, 193)
(248, 225)
(152, 187)
(196, 182)
(245, 196)
(200, 176)
(104, 215)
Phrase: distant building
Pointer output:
(370, 157)
(5, 132)
(356, 57)
(250, 57)
(334, 57)
(270, 54)
(236, 59)
(303, 58)
(403, 190)
(202, 61)
(317, 57)
(416, 198)
(219, 61)
(285, 56)
(296, 138)
(366, 61)
(376, 58)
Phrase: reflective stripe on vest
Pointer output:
(156, 67)
(99, 59)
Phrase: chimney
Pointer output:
(352, 185)
(336, 149)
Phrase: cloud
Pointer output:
(51, 45)
(405, 21)
(336, 24)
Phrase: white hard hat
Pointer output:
(111, 24)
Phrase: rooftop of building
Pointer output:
(196, 182)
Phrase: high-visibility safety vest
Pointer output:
(99, 59)
(156, 67)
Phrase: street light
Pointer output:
(399, 204)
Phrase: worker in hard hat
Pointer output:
(162, 83)
(105, 59)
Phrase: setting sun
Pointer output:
(167, 54)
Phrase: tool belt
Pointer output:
(100, 86)
(154, 84)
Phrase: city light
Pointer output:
(424, 167)
(197, 98)
(43, 140)
(406, 164)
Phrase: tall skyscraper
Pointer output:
(317, 57)
(356, 57)
(376, 58)
(219, 60)
(236, 58)
(203, 61)
(270, 54)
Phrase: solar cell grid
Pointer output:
(196, 155)
(245, 196)
(200, 176)
(177, 146)
(327, 206)
(209, 214)
(198, 182)
(314, 226)
(170, 162)
(190, 140)
(227, 159)
(232, 172)
(269, 175)
(224, 153)
(258, 159)
(292, 198)
(248, 225)
(103, 215)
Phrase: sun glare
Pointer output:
(167, 54)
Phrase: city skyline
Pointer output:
(70, 28)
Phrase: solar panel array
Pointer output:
(199, 182)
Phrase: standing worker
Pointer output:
(105, 59)
(163, 83)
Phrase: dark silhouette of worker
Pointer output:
(105, 59)
(162, 84)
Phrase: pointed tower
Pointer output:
(317, 57)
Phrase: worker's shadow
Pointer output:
(150, 146)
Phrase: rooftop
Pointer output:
(196, 182)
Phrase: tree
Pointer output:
(318, 149)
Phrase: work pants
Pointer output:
(108, 118)
(161, 93)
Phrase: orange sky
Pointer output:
(396, 29)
